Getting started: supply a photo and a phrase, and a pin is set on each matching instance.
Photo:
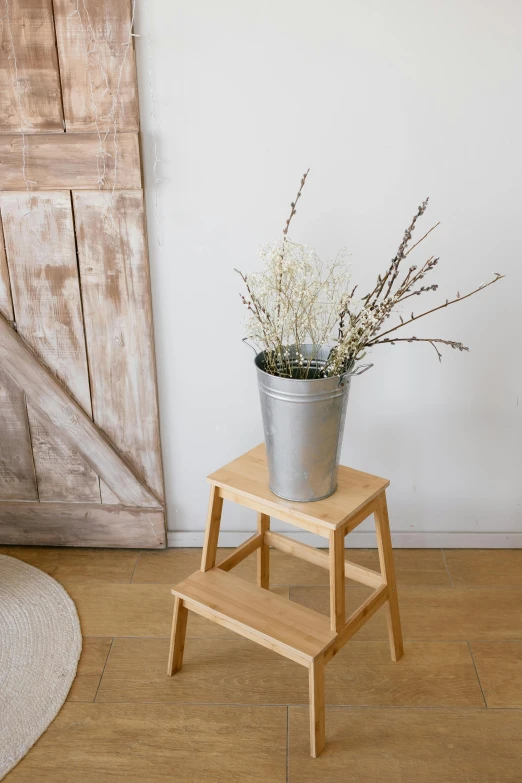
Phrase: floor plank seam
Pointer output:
(476, 672)
(135, 567)
(103, 670)
(305, 704)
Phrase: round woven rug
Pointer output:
(40, 645)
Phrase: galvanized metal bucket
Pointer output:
(303, 422)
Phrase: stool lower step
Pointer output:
(288, 628)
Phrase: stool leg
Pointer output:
(177, 638)
(263, 553)
(317, 729)
(215, 507)
(337, 596)
(384, 544)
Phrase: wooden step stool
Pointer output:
(292, 630)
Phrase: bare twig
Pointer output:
(294, 203)
(432, 340)
(421, 239)
(393, 269)
(447, 303)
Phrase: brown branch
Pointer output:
(447, 303)
(393, 269)
(294, 203)
(432, 340)
(420, 240)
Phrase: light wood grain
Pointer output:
(414, 566)
(30, 97)
(215, 508)
(66, 161)
(62, 474)
(97, 65)
(499, 667)
(95, 652)
(115, 286)
(267, 508)
(263, 552)
(228, 670)
(78, 565)
(78, 524)
(177, 637)
(107, 609)
(90, 669)
(384, 546)
(478, 567)
(256, 614)
(316, 706)
(138, 743)
(6, 303)
(321, 558)
(41, 252)
(247, 479)
(218, 671)
(356, 621)
(337, 604)
(84, 688)
(172, 566)
(441, 613)
(17, 476)
(238, 555)
(45, 392)
(409, 746)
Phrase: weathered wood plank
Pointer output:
(6, 304)
(62, 473)
(30, 96)
(115, 287)
(67, 161)
(48, 394)
(97, 65)
(17, 479)
(60, 524)
(41, 252)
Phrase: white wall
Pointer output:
(387, 101)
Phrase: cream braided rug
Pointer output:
(40, 644)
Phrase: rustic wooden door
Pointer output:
(80, 458)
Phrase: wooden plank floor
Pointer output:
(449, 711)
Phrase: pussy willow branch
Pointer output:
(432, 340)
(393, 269)
(294, 203)
(447, 303)
(293, 210)
(401, 253)
(421, 239)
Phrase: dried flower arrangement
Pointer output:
(297, 300)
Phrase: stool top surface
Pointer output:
(247, 476)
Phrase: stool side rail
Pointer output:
(356, 620)
(242, 551)
(292, 517)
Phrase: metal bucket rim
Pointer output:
(341, 377)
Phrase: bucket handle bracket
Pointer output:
(361, 369)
